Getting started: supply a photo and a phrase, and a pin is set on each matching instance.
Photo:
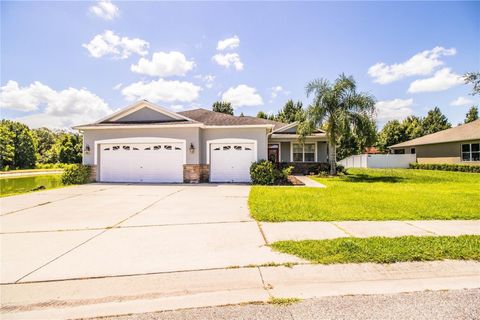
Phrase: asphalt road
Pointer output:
(457, 304)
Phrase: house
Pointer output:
(455, 145)
(148, 143)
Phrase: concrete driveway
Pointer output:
(99, 230)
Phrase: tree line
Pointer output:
(25, 148)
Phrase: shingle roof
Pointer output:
(464, 132)
(212, 118)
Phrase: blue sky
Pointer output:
(66, 63)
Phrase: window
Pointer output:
(399, 151)
(309, 153)
(471, 152)
(297, 152)
(303, 153)
(412, 150)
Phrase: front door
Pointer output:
(274, 153)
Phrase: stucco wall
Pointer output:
(258, 134)
(146, 114)
(440, 153)
(191, 135)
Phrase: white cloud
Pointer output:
(275, 91)
(207, 79)
(242, 95)
(105, 9)
(110, 44)
(118, 86)
(59, 109)
(422, 63)
(164, 64)
(461, 101)
(228, 59)
(442, 80)
(393, 109)
(162, 90)
(24, 99)
(229, 43)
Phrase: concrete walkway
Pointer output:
(169, 291)
(312, 230)
(310, 182)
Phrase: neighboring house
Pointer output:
(147, 143)
(372, 150)
(460, 144)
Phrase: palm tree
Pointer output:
(338, 108)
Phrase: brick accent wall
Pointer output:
(93, 173)
(196, 173)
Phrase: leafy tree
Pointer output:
(413, 127)
(223, 107)
(70, 150)
(45, 141)
(351, 143)
(474, 79)
(435, 121)
(290, 112)
(24, 144)
(263, 115)
(241, 114)
(7, 148)
(392, 133)
(340, 108)
(471, 115)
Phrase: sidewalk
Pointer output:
(313, 230)
(179, 290)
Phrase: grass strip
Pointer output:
(383, 250)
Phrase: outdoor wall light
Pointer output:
(192, 148)
(87, 148)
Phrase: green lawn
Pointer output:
(383, 250)
(23, 184)
(373, 194)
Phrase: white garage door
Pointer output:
(136, 162)
(230, 162)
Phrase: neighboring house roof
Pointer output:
(464, 132)
(212, 118)
(372, 150)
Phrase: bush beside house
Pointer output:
(76, 174)
(264, 172)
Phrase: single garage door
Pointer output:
(230, 162)
(136, 162)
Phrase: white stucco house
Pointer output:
(148, 143)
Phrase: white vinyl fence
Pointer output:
(378, 161)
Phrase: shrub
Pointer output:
(264, 172)
(76, 174)
(445, 167)
(306, 168)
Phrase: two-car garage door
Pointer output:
(137, 162)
